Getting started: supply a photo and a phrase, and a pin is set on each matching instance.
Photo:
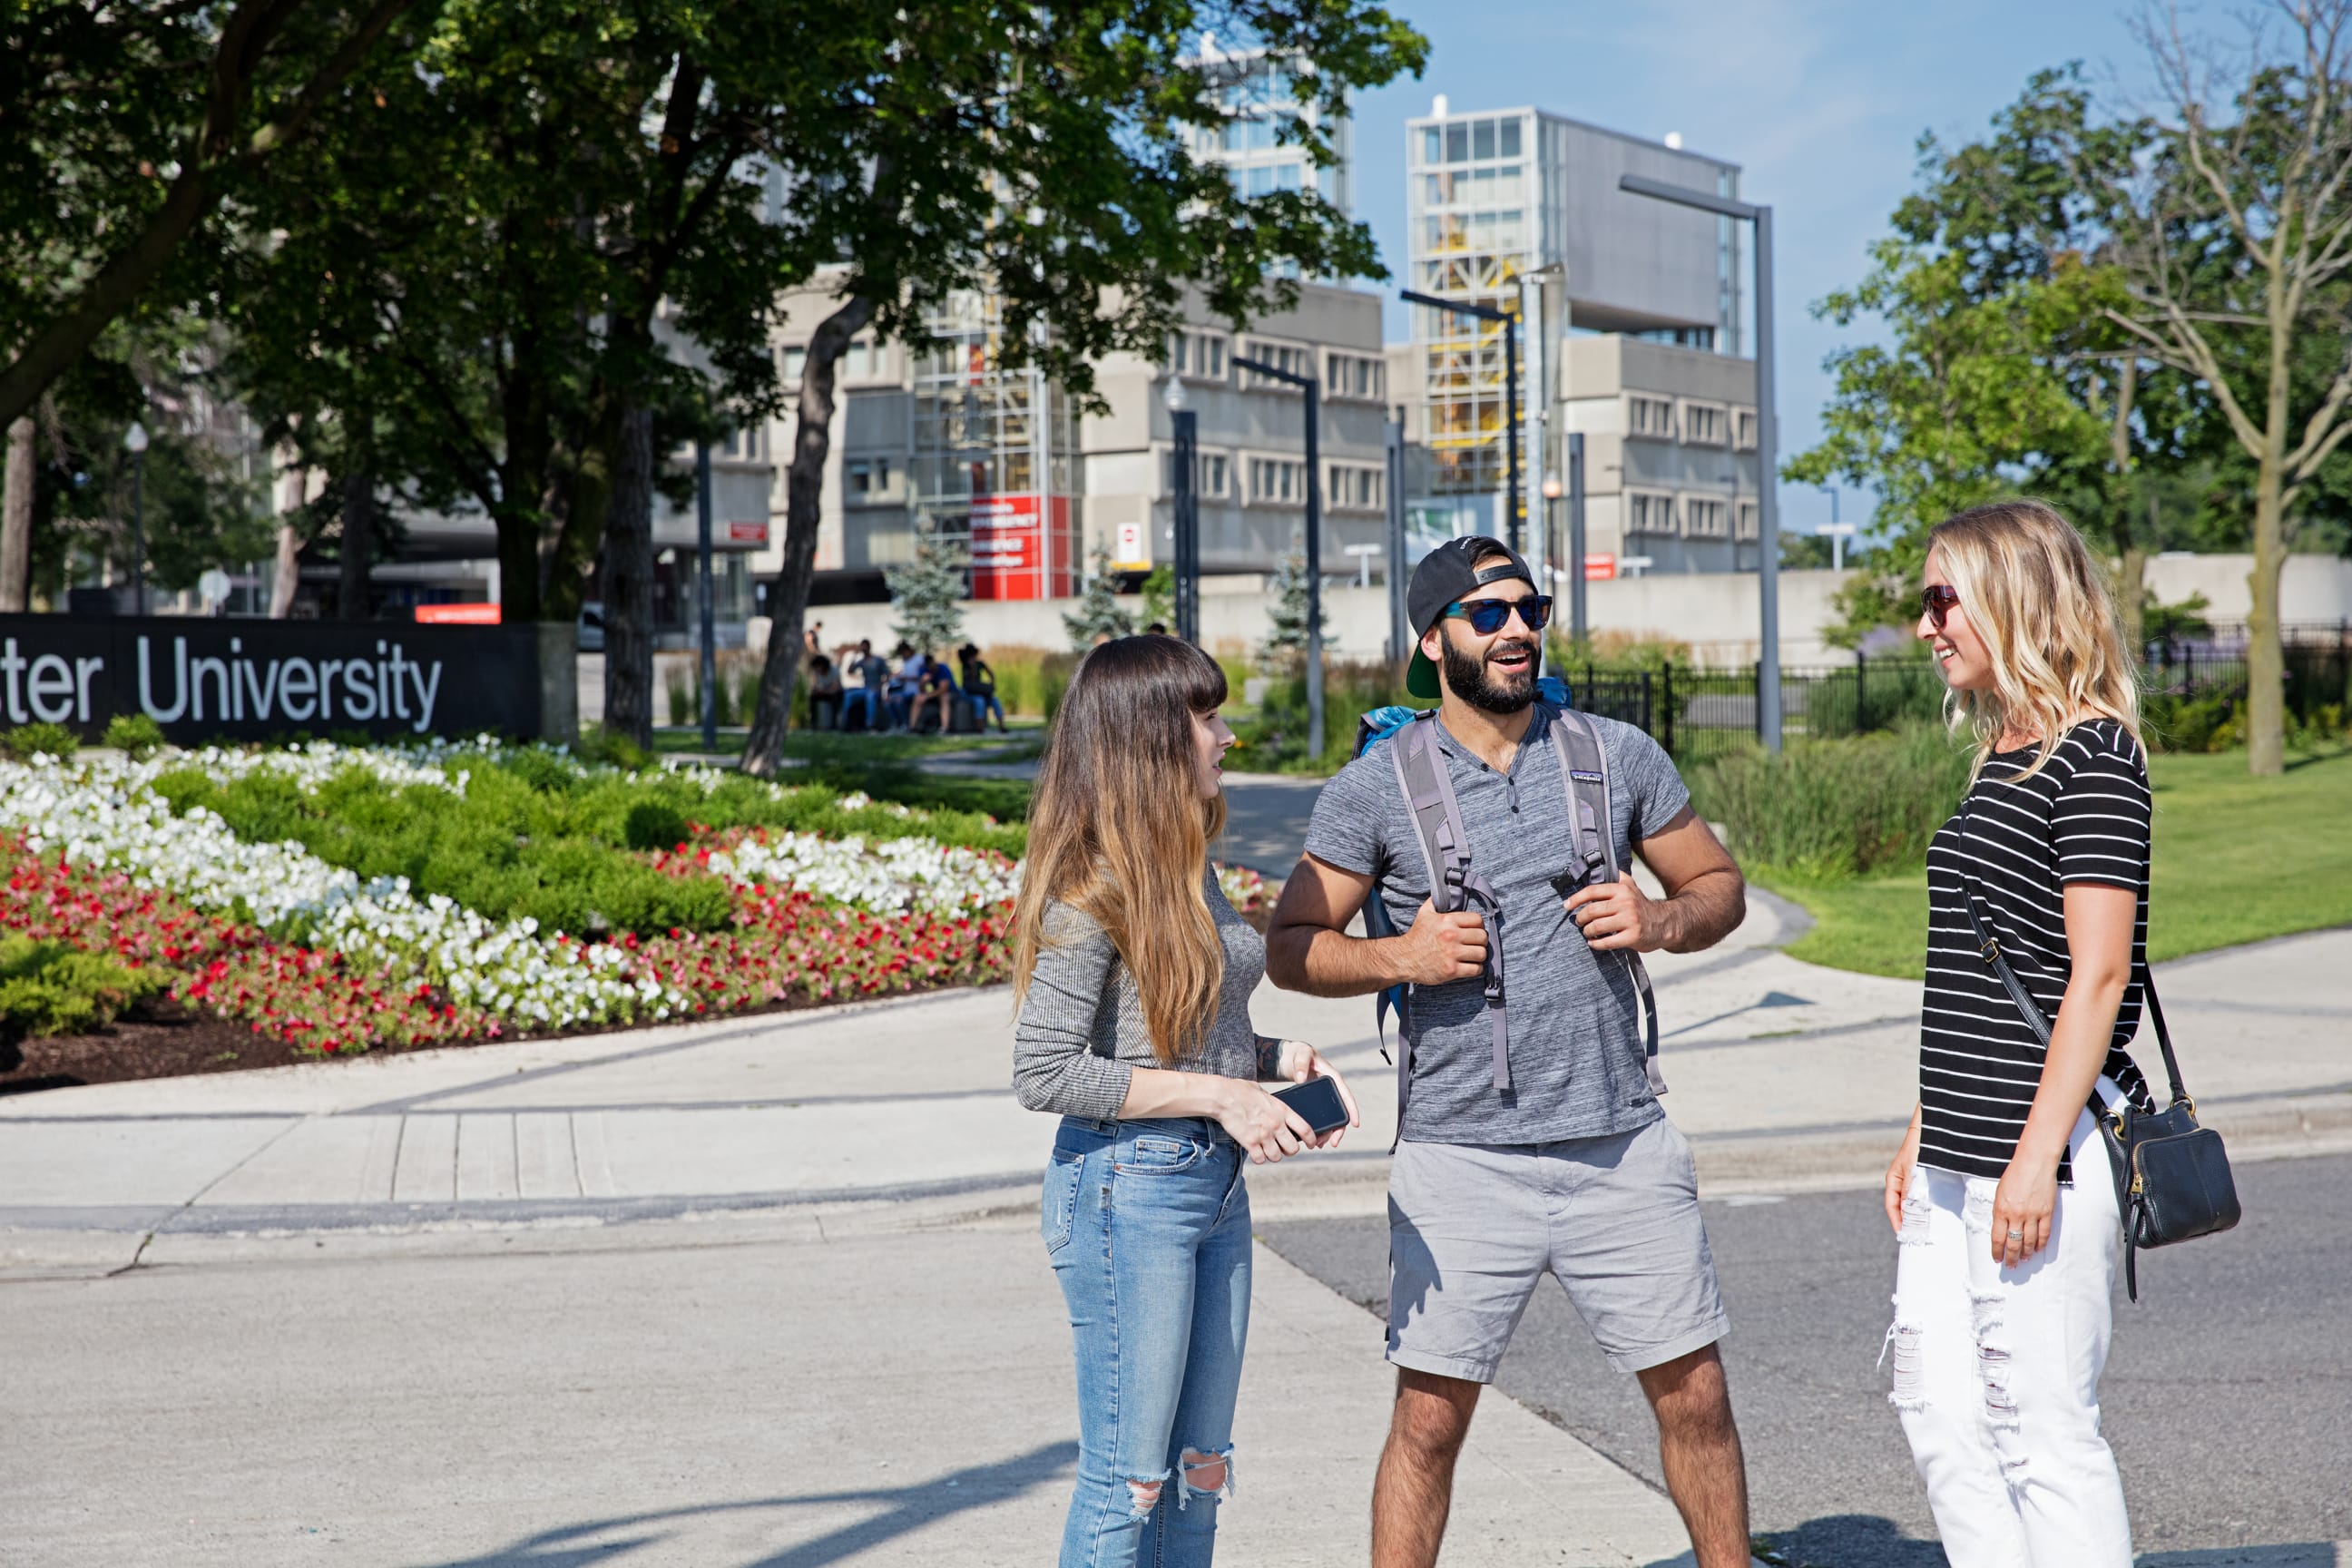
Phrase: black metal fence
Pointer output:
(1701, 714)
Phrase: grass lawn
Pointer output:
(1026, 737)
(2237, 859)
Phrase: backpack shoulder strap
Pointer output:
(1584, 778)
(1436, 816)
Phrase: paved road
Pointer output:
(2229, 1397)
(775, 1391)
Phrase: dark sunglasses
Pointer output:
(1937, 601)
(1487, 616)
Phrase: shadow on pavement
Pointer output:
(1854, 1538)
(904, 1509)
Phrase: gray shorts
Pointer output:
(1472, 1228)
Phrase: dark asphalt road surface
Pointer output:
(2228, 1396)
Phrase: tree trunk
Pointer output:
(359, 545)
(17, 517)
(2131, 559)
(2266, 661)
(287, 578)
(804, 498)
(629, 585)
(2131, 599)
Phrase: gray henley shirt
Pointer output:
(1575, 1035)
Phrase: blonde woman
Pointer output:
(1134, 975)
(2002, 1196)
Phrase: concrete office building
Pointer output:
(943, 435)
(1000, 463)
(1647, 299)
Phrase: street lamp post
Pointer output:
(1510, 324)
(1767, 509)
(1392, 439)
(1578, 623)
(1186, 502)
(702, 563)
(1314, 391)
(135, 440)
(1839, 533)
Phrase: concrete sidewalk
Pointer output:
(1786, 1077)
(310, 1307)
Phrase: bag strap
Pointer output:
(1989, 949)
(1436, 814)
(1584, 778)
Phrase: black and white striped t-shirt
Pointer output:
(2083, 818)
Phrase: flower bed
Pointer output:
(274, 935)
(271, 887)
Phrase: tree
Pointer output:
(1098, 615)
(547, 231)
(2003, 371)
(1286, 638)
(929, 592)
(1160, 596)
(1042, 153)
(2240, 269)
(124, 128)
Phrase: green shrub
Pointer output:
(54, 740)
(2207, 723)
(532, 837)
(1274, 738)
(48, 988)
(1830, 810)
(1030, 680)
(683, 710)
(654, 825)
(1887, 692)
(134, 734)
(599, 745)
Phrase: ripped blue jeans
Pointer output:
(1147, 1225)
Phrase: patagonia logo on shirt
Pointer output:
(1581, 776)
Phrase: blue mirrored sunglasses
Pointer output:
(1487, 616)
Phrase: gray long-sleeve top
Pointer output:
(1081, 994)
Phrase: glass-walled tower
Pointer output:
(1493, 195)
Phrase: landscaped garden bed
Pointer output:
(324, 900)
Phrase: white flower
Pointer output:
(103, 812)
(885, 876)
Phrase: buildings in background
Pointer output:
(1636, 336)
(1000, 464)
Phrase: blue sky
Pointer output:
(1821, 104)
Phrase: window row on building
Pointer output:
(1275, 480)
(1198, 355)
(1689, 515)
(1692, 421)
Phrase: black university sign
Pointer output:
(247, 679)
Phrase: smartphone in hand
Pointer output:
(1317, 1103)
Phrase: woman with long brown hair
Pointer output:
(1134, 975)
(2002, 1196)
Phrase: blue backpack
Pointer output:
(1455, 884)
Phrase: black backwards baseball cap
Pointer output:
(1445, 576)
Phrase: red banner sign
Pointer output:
(457, 615)
(1021, 549)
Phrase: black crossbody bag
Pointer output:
(2172, 1176)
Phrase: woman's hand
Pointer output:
(1266, 1129)
(1301, 1061)
(2022, 1207)
(1898, 1174)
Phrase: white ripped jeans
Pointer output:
(1997, 1370)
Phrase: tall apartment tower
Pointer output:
(1254, 90)
(1495, 195)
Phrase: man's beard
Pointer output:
(1469, 677)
